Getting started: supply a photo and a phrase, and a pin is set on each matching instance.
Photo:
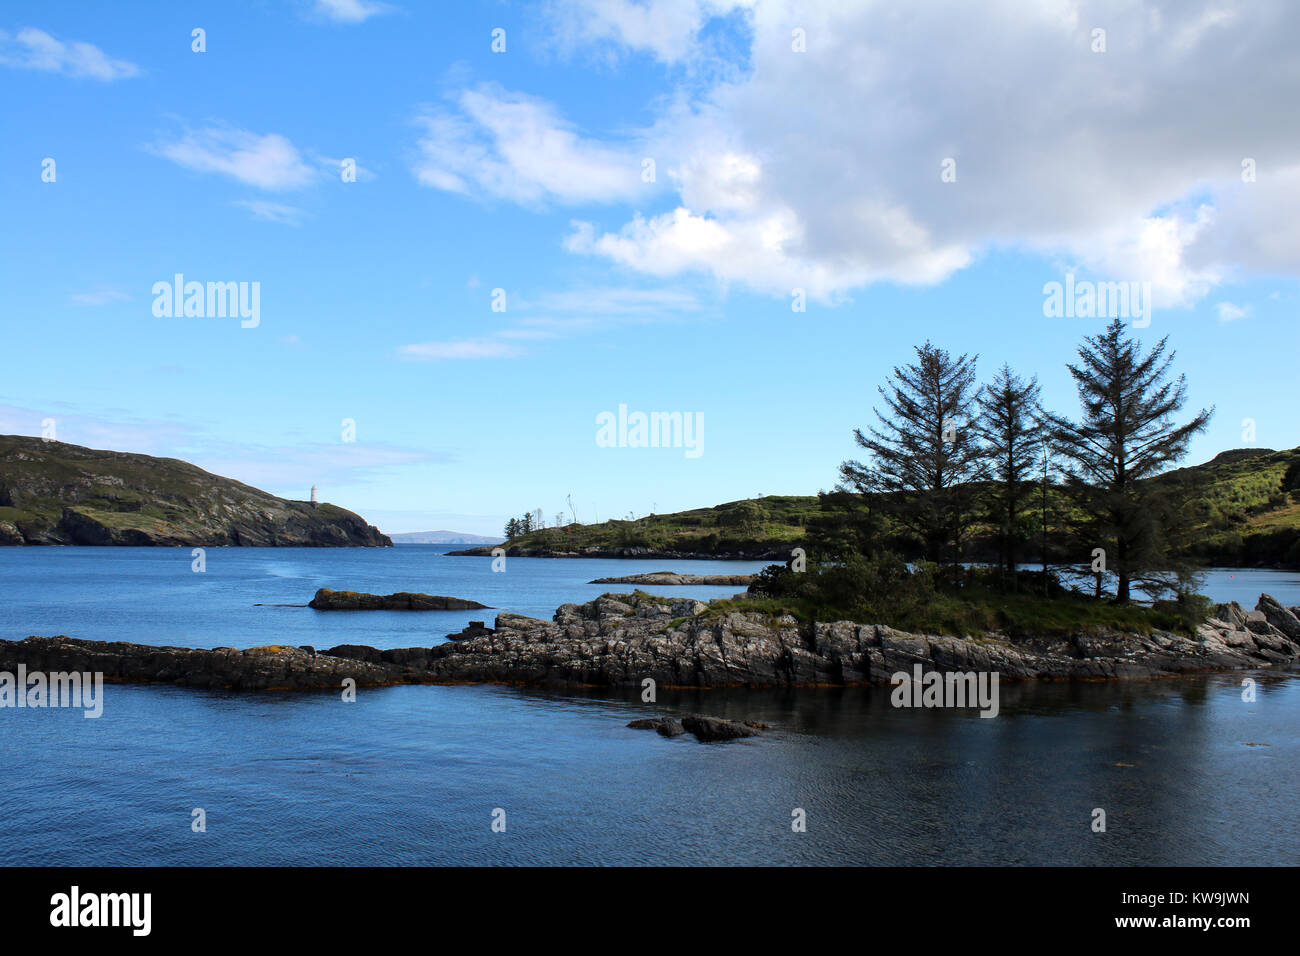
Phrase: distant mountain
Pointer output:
(443, 537)
(55, 493)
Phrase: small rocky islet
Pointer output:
(673, 579)
(330, 600)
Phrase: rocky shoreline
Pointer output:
(620, 640)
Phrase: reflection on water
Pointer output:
(1187, 772)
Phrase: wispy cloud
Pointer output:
(99, 297)
(512, 146)
(1231, 312)
(562, 315)
(272, 211)
(269, 161)
(485, 348)
(267, 466)
(32, 49)
(350, 11)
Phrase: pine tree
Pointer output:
(1010, 425)
(925, 455)
(1126, 434)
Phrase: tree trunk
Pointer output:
(1122, 589)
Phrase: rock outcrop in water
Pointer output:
(704, 728)
(619, 640)
(327, 600)
(55, 493)
(673, 579)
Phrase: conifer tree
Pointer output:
(1010, 424)
(925, 454)
(1127, 433)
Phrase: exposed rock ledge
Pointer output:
(619, 640)
(673, 579)
(327, 600)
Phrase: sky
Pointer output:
(477, 228)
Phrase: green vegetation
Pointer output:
(930, 599)
(776, 523)
(1243, 519)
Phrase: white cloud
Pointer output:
(516, 147)
(99, 297)
(666, 29)
(821, 169)
(350, 11)
(269, 162)
(32, 49)
(1229, 312)
(563, 315)
(468, 349)
(272, 211)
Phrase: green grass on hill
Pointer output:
(1246, 519)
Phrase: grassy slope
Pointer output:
(1246, 519)
(165, 497)
(776, 521)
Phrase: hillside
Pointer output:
(1246, 520)
(1247, 517)
(55, 493)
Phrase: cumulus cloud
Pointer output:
(268, 162)
(823, 169)
(32, 49)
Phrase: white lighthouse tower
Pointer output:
(314, 500)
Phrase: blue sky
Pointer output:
(522, 170)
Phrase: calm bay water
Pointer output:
(1187, 772)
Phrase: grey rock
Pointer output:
(1279, 617)
(619, 640)
(717, 728)
(666, 726)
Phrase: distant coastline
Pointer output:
(444, 537)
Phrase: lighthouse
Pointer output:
(314, 500)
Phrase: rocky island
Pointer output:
(327, 600)
(619, 640)
(673, 579)
(56, 493)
